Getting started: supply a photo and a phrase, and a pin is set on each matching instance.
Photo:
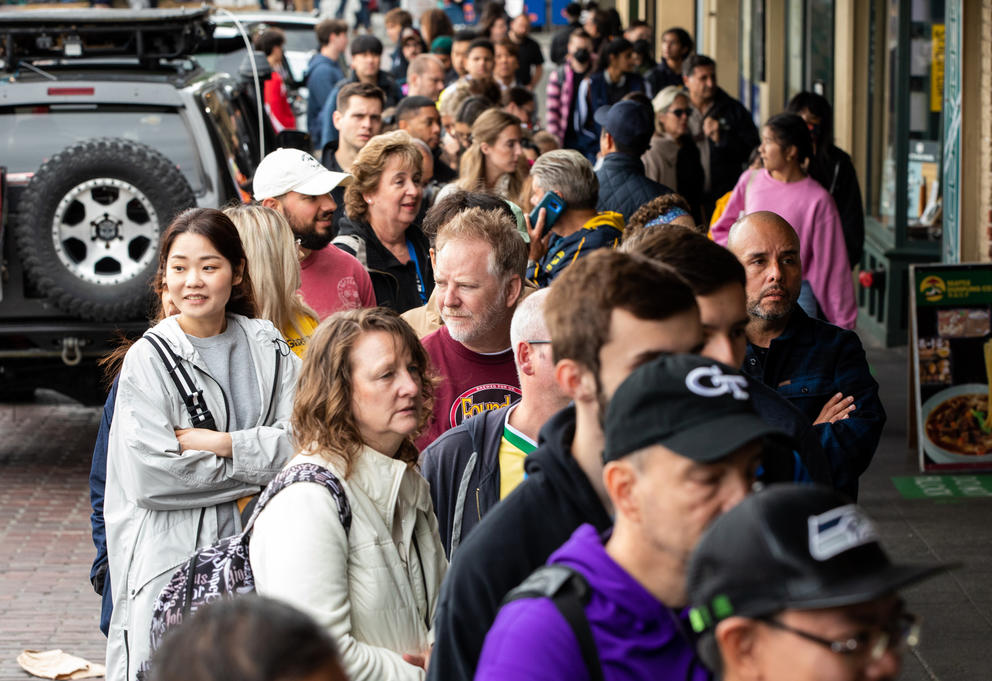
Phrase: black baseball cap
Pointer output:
(630, 123)
(697, 407)
(790, 546)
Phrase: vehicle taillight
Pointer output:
(70, 91)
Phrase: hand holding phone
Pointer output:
(553, 205)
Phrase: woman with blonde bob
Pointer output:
(382, 204)
(275, 271)
(363, 395)
(495, 160)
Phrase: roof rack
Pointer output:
(146, 35)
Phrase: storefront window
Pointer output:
(810, 47)
(909, 176)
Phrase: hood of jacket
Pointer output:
(607, 218)
(553, 461)
(631, 602)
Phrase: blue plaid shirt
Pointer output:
(809, 363)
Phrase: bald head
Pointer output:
(768, 247)
(763, 221)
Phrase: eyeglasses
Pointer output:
(538, 342)
(680, 112)
(870, 645)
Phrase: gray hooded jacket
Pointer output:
(161, 502)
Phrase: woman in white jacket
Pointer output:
(363, 396)
(173, 487)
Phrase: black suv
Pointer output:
(108, 129)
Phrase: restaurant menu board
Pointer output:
(951, 307)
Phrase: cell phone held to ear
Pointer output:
(554, 206)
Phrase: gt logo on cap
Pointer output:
(711, 382)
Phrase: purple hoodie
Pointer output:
(637, 637)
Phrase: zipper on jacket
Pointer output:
(478, 505)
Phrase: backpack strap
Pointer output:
(305, 472)
(569, 591)
(192, 396)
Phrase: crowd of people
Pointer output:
(589, 389)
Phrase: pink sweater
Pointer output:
(812, 213)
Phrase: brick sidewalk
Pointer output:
(46, 600)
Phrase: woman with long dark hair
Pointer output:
(200, 424)
(783, 187)
(831, 166)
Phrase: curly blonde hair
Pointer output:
(323, 420)
(369, 165)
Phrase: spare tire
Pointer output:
(88, 226)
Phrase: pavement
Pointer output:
(45, 549)
(957, 606)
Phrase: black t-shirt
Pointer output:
(528, 55)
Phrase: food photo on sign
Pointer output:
(951, 309)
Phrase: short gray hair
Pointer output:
(528, 320)
(570, 175)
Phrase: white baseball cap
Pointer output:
(292, 170)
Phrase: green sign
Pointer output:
(938, 286)
(944, 486)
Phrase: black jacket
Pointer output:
(623, 186)
(470, 449)
(514, 539)
(394, 283)
(330, 162)
(835, 172)
(738, 138)
(813, 464)
(660, 77)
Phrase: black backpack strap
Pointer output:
(305, 472)
(192, 396)
(569, 591)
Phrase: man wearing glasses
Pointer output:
(479, 462)
(792, 584)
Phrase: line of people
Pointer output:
(532, 354)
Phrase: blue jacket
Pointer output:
(462, 468)
(98, 483)
(322, 75)
(594, 93)
(809, 363)
(623, 186)
(603, 231)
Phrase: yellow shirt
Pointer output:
(298, 343)
(513, 449)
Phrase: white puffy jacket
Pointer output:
(158, 497)
(374, 589)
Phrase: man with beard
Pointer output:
(817, 366)
(295, 184)
(722, 128)
(632, 310)
(479, 265)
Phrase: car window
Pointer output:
(31, 135)
(234, 134)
